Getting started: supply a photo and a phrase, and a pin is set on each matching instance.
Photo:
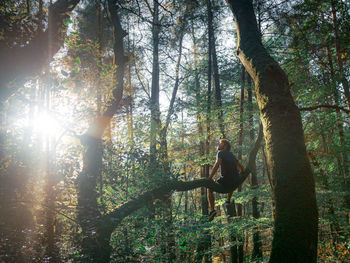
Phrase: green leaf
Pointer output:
(77, 61)
(68, 21)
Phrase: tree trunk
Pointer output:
(218, 102)
(240, 155)
(205, 242)
(257, 253)
(95, 242)
(51, 250)
(154, 103)
(296, 216)
(343, 78)
(206, 234)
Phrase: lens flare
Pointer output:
(46, 124)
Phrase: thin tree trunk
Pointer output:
(332, 83)
(51, 250)
(218, 102)
(343, 79)
(296, 216)
(207, 237)
(154, 103)
(164, 130)
(240, 156)
(205, 242)
(257, 253)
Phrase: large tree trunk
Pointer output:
(96, 234)
(296, 216)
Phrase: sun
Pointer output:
(45, 123)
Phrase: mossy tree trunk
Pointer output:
(296, 216)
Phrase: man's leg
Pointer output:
(211, 199)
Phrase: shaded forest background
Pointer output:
(107, 107)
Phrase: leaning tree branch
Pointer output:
(20, 62)
(327, 106)
(113, 219)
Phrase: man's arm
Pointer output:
(240, 167)
(215, 168)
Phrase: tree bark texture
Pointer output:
(95, 241)
(257, 253)
(343, 78)
(154, 102)
(296, 216)
(218, 102)
(20, 62)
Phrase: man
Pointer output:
(229, 178)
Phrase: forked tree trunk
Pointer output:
(95, 233)
(296, 216)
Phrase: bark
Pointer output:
(241, 112)
(342, 141)
(343, 78)
(218, 102)
(95, 242)
(205, 243)
(296, 216)
(20, 62)
(154, 102)
(163, 139)
(240, 153)
(257, 253)
(51, 249)
(231, 211)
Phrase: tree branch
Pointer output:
(324, 106)
(113, 219)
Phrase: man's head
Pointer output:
(224, 145)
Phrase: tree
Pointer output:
(96, 235)
(21, 61)
(296, 217)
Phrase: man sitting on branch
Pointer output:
(230, 177)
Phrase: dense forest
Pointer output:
(111, 112)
